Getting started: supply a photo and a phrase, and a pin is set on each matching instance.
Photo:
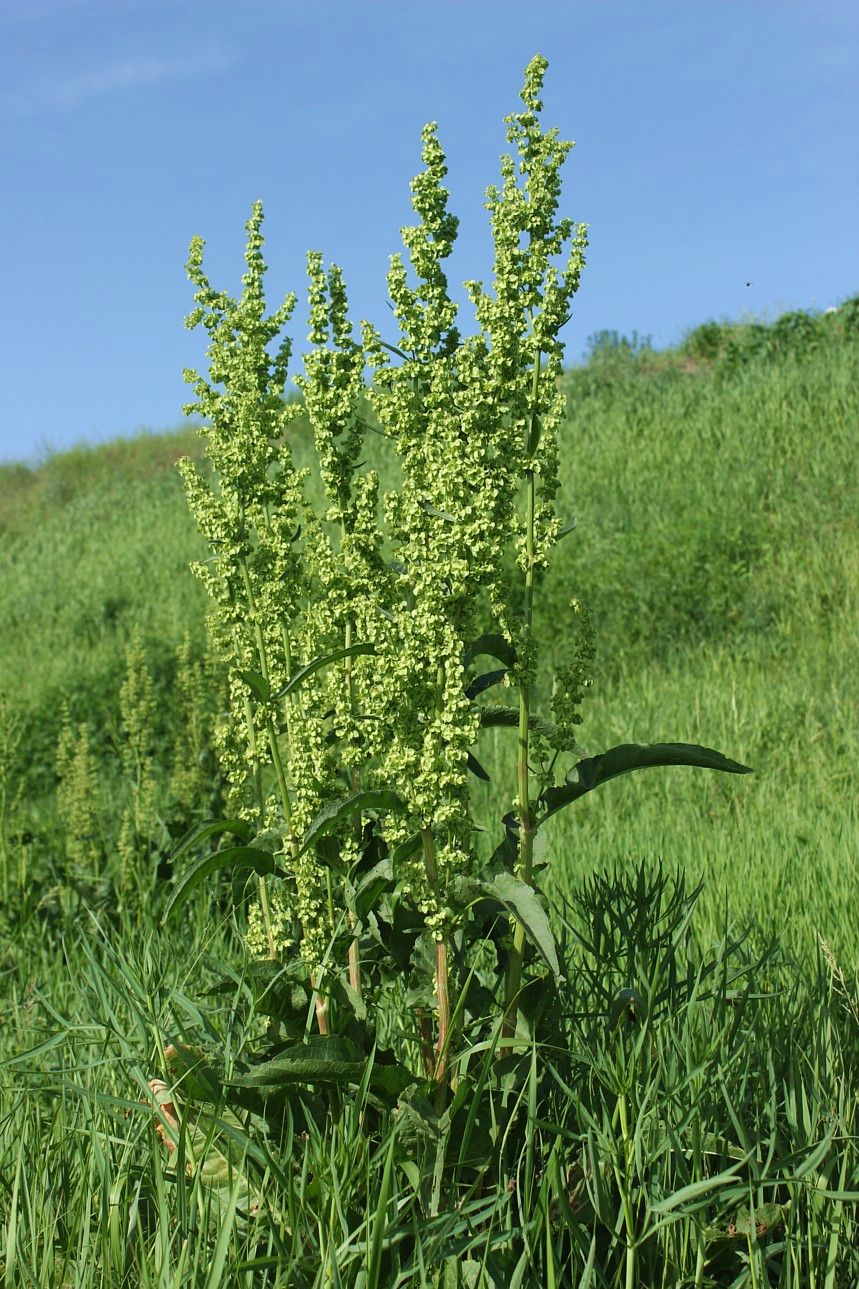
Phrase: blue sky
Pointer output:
(716, 145)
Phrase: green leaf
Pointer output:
(522, 901)
(279, 990)
(235, 857)
(258, 684)
(197, 1072)
(476, 768)
(589, 774)
(336, 812)
(354, 999)
(437, 514)
(377, 1239)
(534, 434)
(326, 1059)
(405, 850)
(504, 857)
(495, 714)
(813, 1160)
(395, 350)
(271, 840)
(486, 681)
(567, 528)
(493, 645)
(695, 1190)
(209, 828)
(369, 889)
(336, 655)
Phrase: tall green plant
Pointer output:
(137, 756)
(77, 788)
(357, 698)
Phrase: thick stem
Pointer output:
(355, 962)
(526, 827)
(443, 1040)
(441, 980)
(425, 1042)
(257, 775)
(354, 946)
(266, 917)
(321, 1009)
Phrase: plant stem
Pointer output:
(629, 1220)
(526, 828)
(441, 981)
(425, 1041)
(354, 962)
(257, 774)
(354, 946)
(321, 1008)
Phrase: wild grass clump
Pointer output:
(690, 1120)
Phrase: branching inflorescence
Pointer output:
(355, 703)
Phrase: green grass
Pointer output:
(716, 497)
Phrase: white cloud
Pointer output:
(68, 91)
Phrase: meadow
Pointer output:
(715, 492)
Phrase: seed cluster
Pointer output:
(473, 423)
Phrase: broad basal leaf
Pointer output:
(325, 1059)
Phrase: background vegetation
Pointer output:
(715, 489)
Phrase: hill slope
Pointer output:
(715, 489)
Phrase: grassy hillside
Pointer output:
(715, 491)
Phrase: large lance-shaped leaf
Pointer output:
(589, 774)
(521, 900)
(235, 857)
(486, 681)
(336, 812)
(326, 1059)
(336, 655)
(493, 645)
(201, 832)
(496, 714)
